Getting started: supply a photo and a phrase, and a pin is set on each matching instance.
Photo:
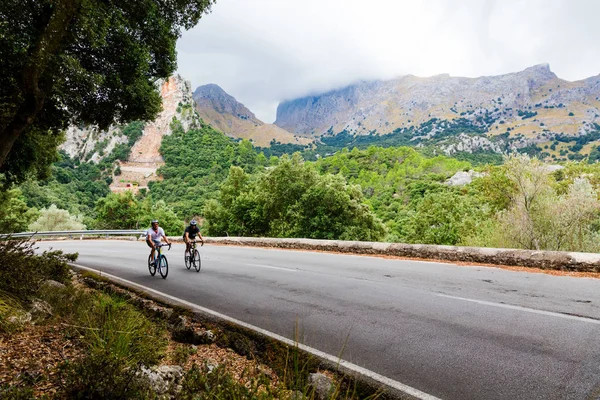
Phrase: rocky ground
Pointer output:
(36, 353)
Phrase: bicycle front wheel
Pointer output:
(163, 267)
(151, 267)
(197, 262)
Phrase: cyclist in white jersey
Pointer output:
(154, 236)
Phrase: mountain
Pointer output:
(138, 143)
(225, 113)
(91, 144)
(531, 107)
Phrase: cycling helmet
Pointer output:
(155, 221)
(193, 222)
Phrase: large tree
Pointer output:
(81, 62)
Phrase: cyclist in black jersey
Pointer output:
(190, 234)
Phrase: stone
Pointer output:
(462, 178)
(162, 379)
(53, 284)
(20, 318)
(322, 385)
(40, 310)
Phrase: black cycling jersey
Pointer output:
(192, 231)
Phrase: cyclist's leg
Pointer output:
(151, 245)
(157, 250)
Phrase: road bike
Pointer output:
(192, 258)
(160, 262)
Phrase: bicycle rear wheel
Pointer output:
(151, 267)
(186, 258)
(197, 261)
(163, 267)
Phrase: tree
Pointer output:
(55, 219)
(443, 217)
(291, 200)
(15, 216)
(81, 61)
(119, 211)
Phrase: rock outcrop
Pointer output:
(88, 143)
(177, 103)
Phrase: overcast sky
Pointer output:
(265, 51)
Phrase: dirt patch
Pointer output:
(33, 355)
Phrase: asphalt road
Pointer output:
(455, 332)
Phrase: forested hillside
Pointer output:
(390, 193)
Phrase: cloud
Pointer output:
(266, 51)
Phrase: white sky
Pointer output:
(265, 51)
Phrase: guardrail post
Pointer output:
(81, 237)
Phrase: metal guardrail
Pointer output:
(109, 232)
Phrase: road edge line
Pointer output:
(397, 386)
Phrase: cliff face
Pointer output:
(527, 102)
(228, 115)
(91, 144)
(177, 103)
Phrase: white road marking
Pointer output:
(525, 309)
(273, 267)
(336, 360)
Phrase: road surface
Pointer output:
(454, 332)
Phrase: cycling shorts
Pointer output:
(150, 244)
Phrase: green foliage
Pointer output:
(169, 221)
(442, 217)
(84, 62)
(200, 383)
(22, 271)
(31, 156)
(120, 340)
(196, 163)
(385, 175)
(548, 215)
(119, 211)
(291, 200)
(14, 392)
(73, 186)
(15, 216)
(125, 211)
(55, 219)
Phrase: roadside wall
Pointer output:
(556, 260)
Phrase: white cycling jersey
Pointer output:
(155, 236)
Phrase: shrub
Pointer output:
(22, 271)
(120, 341)
(55, 219)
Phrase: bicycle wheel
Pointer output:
(197, 261)
(187, 260)
(163, 267)
(151, 267)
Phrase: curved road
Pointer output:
(455, 332)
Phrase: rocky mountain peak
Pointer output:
(540, 72)
(527, 102)
(214, 97)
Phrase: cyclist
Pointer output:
(154, 236)
(190, 234)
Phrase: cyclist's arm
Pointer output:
(149, 239)
(166, 240)
(187, 236)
